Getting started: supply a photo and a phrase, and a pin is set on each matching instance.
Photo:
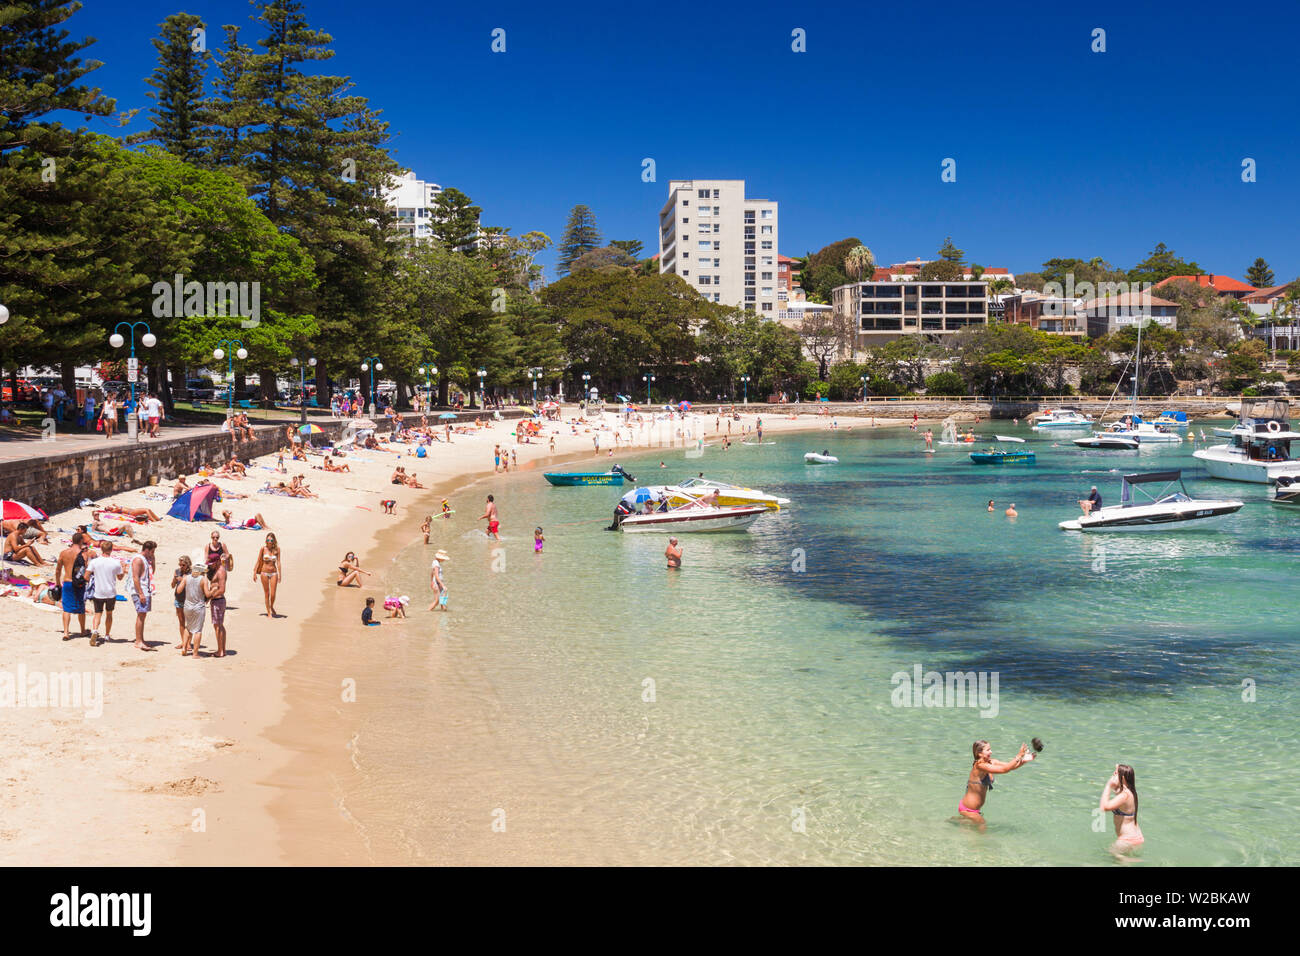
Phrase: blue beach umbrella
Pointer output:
(447, 415)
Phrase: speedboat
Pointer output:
(999, 456)
(1286, 490)
(1259, 446)
(1106, 440)
(1170, 418)
(728, 494)
(1144, 433)
(1165, 510)
(693, 518)
(614, 476)
(825, 458)
(1061, 419)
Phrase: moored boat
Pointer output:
(688, 518)
(824, 458)
(1108, 441)
(1062, 419)
(1286, 490)
(1001, 456)
(1259, 449)
(1163, 510)
(615, 476)
(728, 494)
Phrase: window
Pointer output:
(717, 227)
(703, 194)
(704, 227)
(717, 297)
(706, 210)
(705, 280)
(767, 244)
(704, 243)
(717, 246)
(686, 255)
(686, 272)
(767, 290)
(686, 202)
(766, 230)
(717, 194)
(685, 221)
(767, 306)
(767, 214)
(767, 276)
(767, 260)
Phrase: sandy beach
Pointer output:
(214, 761)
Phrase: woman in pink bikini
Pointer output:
(980, 781)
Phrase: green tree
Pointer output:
(1161, 264)
(632, 247)
(823, 270)
(860, 264)
(941, 270)
(950, 253)
(1259, 274)
(455, 220)
(580, 235)
(603, 258)
(180, 125)
(945, 383)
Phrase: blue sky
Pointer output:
(1060, 151)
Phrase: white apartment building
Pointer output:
(413, 201)
(722, 243)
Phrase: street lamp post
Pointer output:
(148, 340)
(4, 317)
(745, 380)
(428, 371)
(534, 374)
(220, 353)
(649, 380)
(372, 365)
(302, 381)
(863, 380)
(482, 395)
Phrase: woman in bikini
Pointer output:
(350, 572)
(269, 568)
(1120, 797)
(179, 577)
(217, 552)
(980, 781)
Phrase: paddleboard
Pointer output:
(758, 443)
(443, 514)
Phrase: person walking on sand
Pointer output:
(196, 590)
(108, 414)
(1119, 797)
(102, 573)
(493, 522)
(269, 568)
(426, 526)
(217, 602)
(68, 573)
(496, 457)
(436, 583)
(979, 782)
(139, 588)
(673, 553)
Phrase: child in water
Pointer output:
(538, 540)
(426, 525)
(446, 508)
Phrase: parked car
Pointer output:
(200, 390)
(26, 391)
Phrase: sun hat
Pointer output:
(443, 556)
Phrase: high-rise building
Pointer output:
(722, 243)
(414, 203)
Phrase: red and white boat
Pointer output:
(694, 518)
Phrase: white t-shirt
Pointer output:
(103, 573)
(154, 408)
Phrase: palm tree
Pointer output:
(860, 263)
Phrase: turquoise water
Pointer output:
(771, 736)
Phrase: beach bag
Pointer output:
(99, 424)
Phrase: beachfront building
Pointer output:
(1116, 312)
(910, 271)
(1279, 317)
(1045, 313)
(1220, 285)
(413, 201)
(721, 242)
(892, 308)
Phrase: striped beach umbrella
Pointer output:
(17, 511)
(310, 430)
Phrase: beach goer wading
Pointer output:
(1120, 798)
(493, 523)
(673, 553)
(980, 781)
(436, 583)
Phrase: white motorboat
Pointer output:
(1259, 449)
(1062, 419)
(693, 517)
(1010, 438)
(1109, 441)
(1163, 510)
(825, 458)
(1286, 490)
(1170, 418)
(1144, 433)
(729, 495)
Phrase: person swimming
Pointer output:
(980, 780)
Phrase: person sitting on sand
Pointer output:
(979, 782)
(399, 476)
(300, 488)
(180, 487)
(299, 454)
(396, 606)
(16, 547)
(140, 514)
(233, 469)
(350, 572)
(330, 466)
(35, 530)
(412, 481)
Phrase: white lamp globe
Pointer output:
(116, 341)
(242, 354)
(379, 366)
(311, 362)
(365, 367)
(4, 315)
(218, 354)
(149, 340)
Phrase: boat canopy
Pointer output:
(1151, 476)
(1167, 478)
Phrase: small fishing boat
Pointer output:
(1140, 510)
(1170, 418)
(1062, 419)
(615, 476)
(1259, 449)
(1010, 439)
(1001, 456)
(1286, 490)
(825, 458)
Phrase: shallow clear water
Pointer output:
(771, 735)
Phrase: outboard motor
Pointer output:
(621, 511)
(618, 469)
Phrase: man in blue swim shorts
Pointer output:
(68, 574)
